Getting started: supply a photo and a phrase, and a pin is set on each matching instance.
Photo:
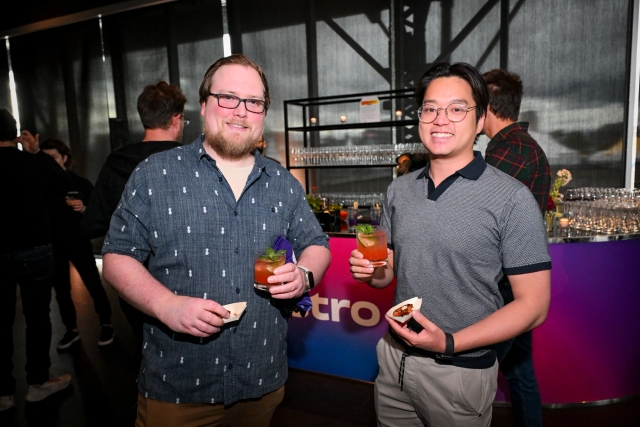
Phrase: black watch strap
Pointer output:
(448, 348)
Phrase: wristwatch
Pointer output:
(308, 278)
(448, 348)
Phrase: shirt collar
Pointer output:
(270, 168)
(472, 170)
(505, 131)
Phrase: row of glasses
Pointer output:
(603, 210)
(348, 199)
(351, 155)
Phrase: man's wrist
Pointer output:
(307, 278)
(449, 345)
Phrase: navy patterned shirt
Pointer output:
(179, 216)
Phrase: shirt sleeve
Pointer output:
(129, 229)
(524, 243)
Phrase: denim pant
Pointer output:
(32, 269)
(516, 364)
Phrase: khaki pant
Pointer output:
(434, 394)
(253, 412)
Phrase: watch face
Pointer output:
(310, 280)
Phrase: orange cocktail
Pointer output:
(373, 247)
(264, 266)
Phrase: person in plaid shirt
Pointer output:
(512, 149)
(515, 152)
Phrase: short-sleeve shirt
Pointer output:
(179, 216)
(453, 243)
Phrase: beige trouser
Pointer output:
(253, 412)
(434, 394)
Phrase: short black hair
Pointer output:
(159, 103)
(463, 71)
(505, 92)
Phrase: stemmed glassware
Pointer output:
(603, 210)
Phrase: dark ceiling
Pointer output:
(31, 11)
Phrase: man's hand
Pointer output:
(194, 316)
(77, 205)
(29, 142)
(292, 282)
(431, 338)
(361, 269)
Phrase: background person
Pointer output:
(515, 152)
(161, 108)
(477, 225)
(409, 162)
(26, 260)
(70, 246)
(195, 216)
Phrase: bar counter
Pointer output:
(587, 351)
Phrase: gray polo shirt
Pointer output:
(452, 244)
(179, 215)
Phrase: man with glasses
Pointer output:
(161, 108)
(455, 228)
(195, 216)
(515, 152)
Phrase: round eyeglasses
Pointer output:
(231, 101)
(454, 112)
(185, 120)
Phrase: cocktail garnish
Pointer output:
(363, 234)
(364, 229)
(271, 255)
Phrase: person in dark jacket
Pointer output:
(70, 246)
(28, 180)
(161, 108)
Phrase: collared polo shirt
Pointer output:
(453, 243)
(179, 215)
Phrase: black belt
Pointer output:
(483, 361)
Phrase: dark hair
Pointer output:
(56, 144)
(463, 71)
(236, 59)
(159, 103)
(8, 126)
(505, 92)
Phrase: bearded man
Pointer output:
(195, 217)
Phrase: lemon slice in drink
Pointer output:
(366, 240)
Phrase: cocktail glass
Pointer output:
(375, 213)
(352, 217)
(263, 267)
(373, 247)
(71, 196)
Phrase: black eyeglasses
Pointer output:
(454, 112)
(231, 101)
(185, 120)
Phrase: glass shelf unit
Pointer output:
(326, 133)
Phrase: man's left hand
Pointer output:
(292, 283)
(431, 338)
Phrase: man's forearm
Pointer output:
(134, 283)
(528, 310)
(316, 259)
